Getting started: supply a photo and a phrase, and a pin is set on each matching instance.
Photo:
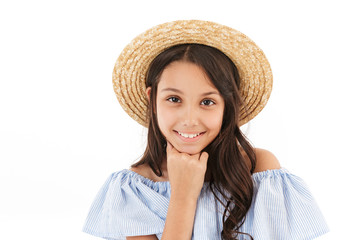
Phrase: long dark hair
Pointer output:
(228, 172)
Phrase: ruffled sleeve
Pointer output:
(283, 208)
(131, 205)
(128, 205)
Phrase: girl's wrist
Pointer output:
(184, 197)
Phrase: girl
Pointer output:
(193, 83)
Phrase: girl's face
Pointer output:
(189, 107)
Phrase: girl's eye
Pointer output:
(173, 99)
(207, 102)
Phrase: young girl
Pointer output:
(193, 84)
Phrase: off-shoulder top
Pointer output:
(129, 204)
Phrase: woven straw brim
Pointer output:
(132, 65)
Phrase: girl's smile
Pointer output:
(189, 108)
(189, 137)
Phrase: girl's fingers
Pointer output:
(200, 156)
(169, 147)
(204, 158)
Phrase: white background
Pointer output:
(62, 131)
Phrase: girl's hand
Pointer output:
(186, 173)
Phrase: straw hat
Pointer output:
(132, 65)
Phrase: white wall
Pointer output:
(62, 131)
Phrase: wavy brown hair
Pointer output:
(229, 174)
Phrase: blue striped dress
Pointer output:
(129, 204)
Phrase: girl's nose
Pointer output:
(190, 117)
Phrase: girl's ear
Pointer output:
(148, 91)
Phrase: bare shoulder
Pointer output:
(145, 171)
(141, 169)
(265, 160)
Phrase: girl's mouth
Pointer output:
(189, 137)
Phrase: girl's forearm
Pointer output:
(180, 218)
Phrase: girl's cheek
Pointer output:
(215, 123)
(165, 114)
(213, 118)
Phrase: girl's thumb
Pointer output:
(169, 147)
(204, 158)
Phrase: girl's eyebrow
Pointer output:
(179, 91)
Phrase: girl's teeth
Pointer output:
(189, 135)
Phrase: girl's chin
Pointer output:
(192, 153)
(188, 150)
